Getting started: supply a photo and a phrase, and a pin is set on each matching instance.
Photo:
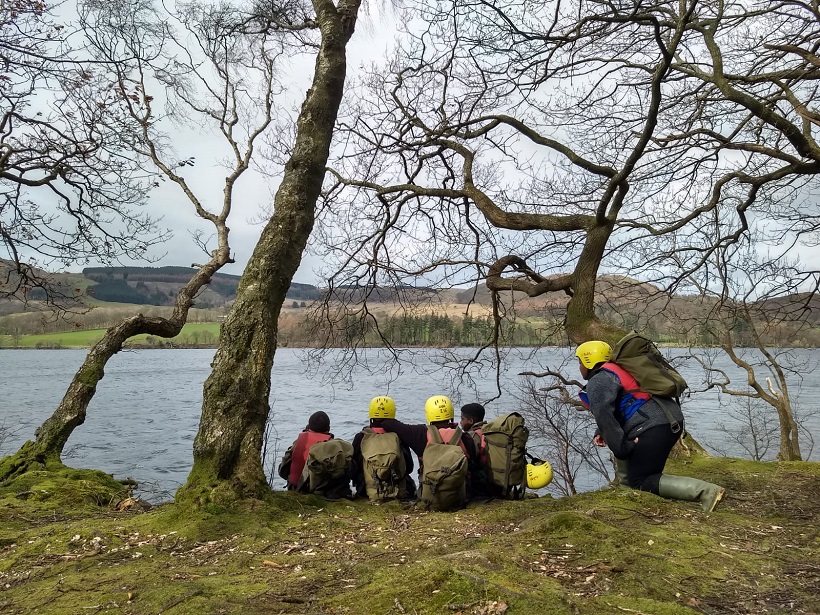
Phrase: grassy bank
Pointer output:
(66, 550)
(193, 334)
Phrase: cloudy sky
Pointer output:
(374, 37)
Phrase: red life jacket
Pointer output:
(446, 434)
(629, 383)
(633, 398)
(301, 448)
(480, 444)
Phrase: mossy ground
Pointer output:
(65, 549)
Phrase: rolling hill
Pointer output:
(115, 292)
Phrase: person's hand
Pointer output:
(635, 440)
(599, 441)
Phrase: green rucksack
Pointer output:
(506, 469)
(383, 466)
(444, 474)
(641, 358)
(328, 470)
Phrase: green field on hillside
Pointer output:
(193, 334)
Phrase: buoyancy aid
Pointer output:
(633, 398)
(446, 434)
(480, 443)
(301, 448)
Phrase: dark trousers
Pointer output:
(649, 457)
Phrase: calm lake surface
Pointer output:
(144, 417)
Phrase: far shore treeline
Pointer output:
(457, 317)
(406, 331)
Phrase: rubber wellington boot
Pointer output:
(621, 478)
(691, 490)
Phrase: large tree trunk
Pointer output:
(52, 435)
(235, 407)
(581, 322)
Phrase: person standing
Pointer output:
(637, 428)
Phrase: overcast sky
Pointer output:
(372, 40)
(375, 36)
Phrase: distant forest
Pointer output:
(443, 318)
(427, 330)
(159, 286)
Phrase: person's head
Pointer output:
(319, 422)
(470, 415)
(439, 409)
(591, 354)
(381, 408)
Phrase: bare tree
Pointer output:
(754, 429)
(561, 431)
(751, 301)
(531, 147)
(236, 406)
(228, 82)
(58, 157)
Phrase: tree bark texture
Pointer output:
(235, 407)
(582, 324)
(789, 435)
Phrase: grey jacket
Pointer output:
(605, 391)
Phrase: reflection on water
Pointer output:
(144, 417)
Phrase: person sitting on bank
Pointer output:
(440, 414)
(638, 431)
(472, 423)
(294, 459)
(382, 408)
(472, 420)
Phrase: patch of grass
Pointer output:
(611, 552)
(192, 334)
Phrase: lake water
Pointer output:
(144, 417)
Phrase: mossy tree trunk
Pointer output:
(582, 323)
(235, 407)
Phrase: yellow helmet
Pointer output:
(382, 408)
(594, 352)
(539, 474)
(439, 408)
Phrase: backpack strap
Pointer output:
(434, 436)
(303, 484)
(673, 422)
(456, 437)
(507, 466)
